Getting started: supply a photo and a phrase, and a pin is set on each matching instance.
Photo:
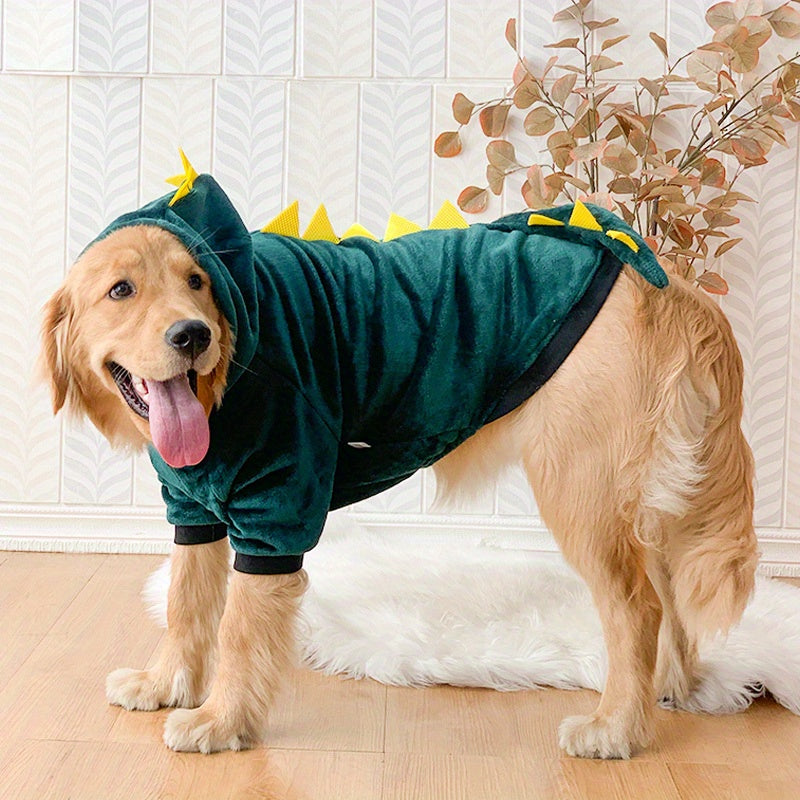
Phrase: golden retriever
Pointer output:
(633, 450)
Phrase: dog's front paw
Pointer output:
(200, 730)
(146, 690)
(598, 737)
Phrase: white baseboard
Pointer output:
(84, 529)
(87, 529)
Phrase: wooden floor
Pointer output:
(66, 620)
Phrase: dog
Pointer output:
(627, 423)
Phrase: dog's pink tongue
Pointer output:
(178, 423)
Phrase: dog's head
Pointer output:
(134, 340)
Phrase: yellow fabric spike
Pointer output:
(625, 238)
(358, 230)
(581, 217)
(399, 226)
(185, 181)
(320, 227)
(541, 219)
(287, 223)
(448, 216)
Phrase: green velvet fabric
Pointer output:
(406, 346)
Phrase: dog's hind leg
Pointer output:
(182, 672)
(584, 437)
(697, 503)
(604, 551)
(676, 666)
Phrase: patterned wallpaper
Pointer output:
(317, 100)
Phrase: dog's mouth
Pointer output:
(135, 390)
(178, 422)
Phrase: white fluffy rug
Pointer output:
(480, 615)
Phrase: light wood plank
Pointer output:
(35, 589)
(447, 719)
(416, 776)
(34, 594)
(59, 694)
(765, 732)
(274, 775)
(138, 727)
(323, 712)
(618, 779)
(54, 770)
(745, 781)
(320, 775)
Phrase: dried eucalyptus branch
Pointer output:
(612, 153)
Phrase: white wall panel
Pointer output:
(103, 183)
(259, 37)
(405, 498)
(476, 44)
(759, 272)
(536, 29)
(104, 139)
(92, 472)
(337, 38)
(146, 488)
(322, 154)
(38, 35)
(112, 35)
(176, 112)
(394, 169)
(639, 54)
(410, 38)
(334, 101)
(792, 516)
(187, 36)
(33, 158)
(514, 497)
(687, 26)
(250, 120)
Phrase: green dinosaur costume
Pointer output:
(359, 362)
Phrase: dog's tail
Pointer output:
(699, 492)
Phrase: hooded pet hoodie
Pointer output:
(358, 362)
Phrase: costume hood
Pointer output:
(213, 232)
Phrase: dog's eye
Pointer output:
(195, 281)
(121, 290)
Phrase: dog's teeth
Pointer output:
(139, 385)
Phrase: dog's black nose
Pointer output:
(189, 336)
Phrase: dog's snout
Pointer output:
(189, 336)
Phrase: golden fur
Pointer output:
(633, 449)
(82, 329)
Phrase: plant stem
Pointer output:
(671, 223)
(700, 241)
(709, 137)
(593, 170)
(649, 225)
(559, 110)
(728, 132)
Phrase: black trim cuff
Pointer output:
(267, 565)
(200, 534)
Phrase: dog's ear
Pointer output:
(53, 361)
